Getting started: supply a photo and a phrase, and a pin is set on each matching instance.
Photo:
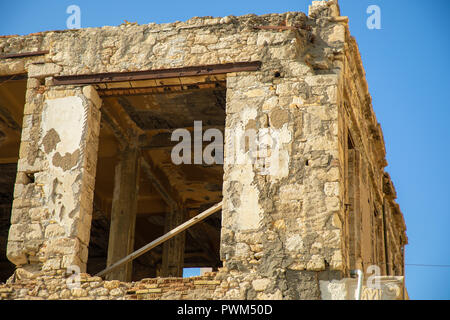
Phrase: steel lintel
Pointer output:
(23, 54)
(157, 74)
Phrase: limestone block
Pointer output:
(90, 93)
(72, 261)
(338, 33)
(270, 103)
(116, 292)
(54, 231)
(17, 232)
(294, 243)
(332, 203)
(65, 294)
(61, 246)
(24, 149)
(38, 214)
(32, 83)
(16, 253)
(277, 295)
(52, 264)
(331, 189)
(316, 263)
(206, 39)
(260, 284)
(53, 296)
(110, 285)
(22, 178)
(242, 250)
(19, 216)
(99, 292)
(291, 192)
(43, 70)
(321, 80)
(78, 292)
(33, 232)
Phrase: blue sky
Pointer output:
(407, 65)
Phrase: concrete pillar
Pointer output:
(123, 213)
(173, 250)
(52, 207)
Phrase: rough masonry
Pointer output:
(86, 118)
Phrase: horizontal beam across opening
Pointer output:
(23, 54)
(157, 74)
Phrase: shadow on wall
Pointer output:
(7, 178)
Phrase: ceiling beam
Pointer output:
(162, 138)
(165, 194)
(117, 92)
(8, 121)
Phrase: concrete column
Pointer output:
(173, 250)
(123, 214)
(52, 207)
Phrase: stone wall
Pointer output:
(57, 285)
(285, 221)
(374, 233)
(52, 207)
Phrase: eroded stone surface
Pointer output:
(290, 214)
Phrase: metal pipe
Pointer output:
(360, 275)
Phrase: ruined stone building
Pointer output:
(86, 174)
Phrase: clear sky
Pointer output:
(407, 65)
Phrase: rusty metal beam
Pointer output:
(118, 92)
(24, 54)
(157, 73)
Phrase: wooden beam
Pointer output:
(173, 249)
(121, 135)
(172, 233)
(123, 213)
(157, 74)
(167, 197)
(9, 160)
